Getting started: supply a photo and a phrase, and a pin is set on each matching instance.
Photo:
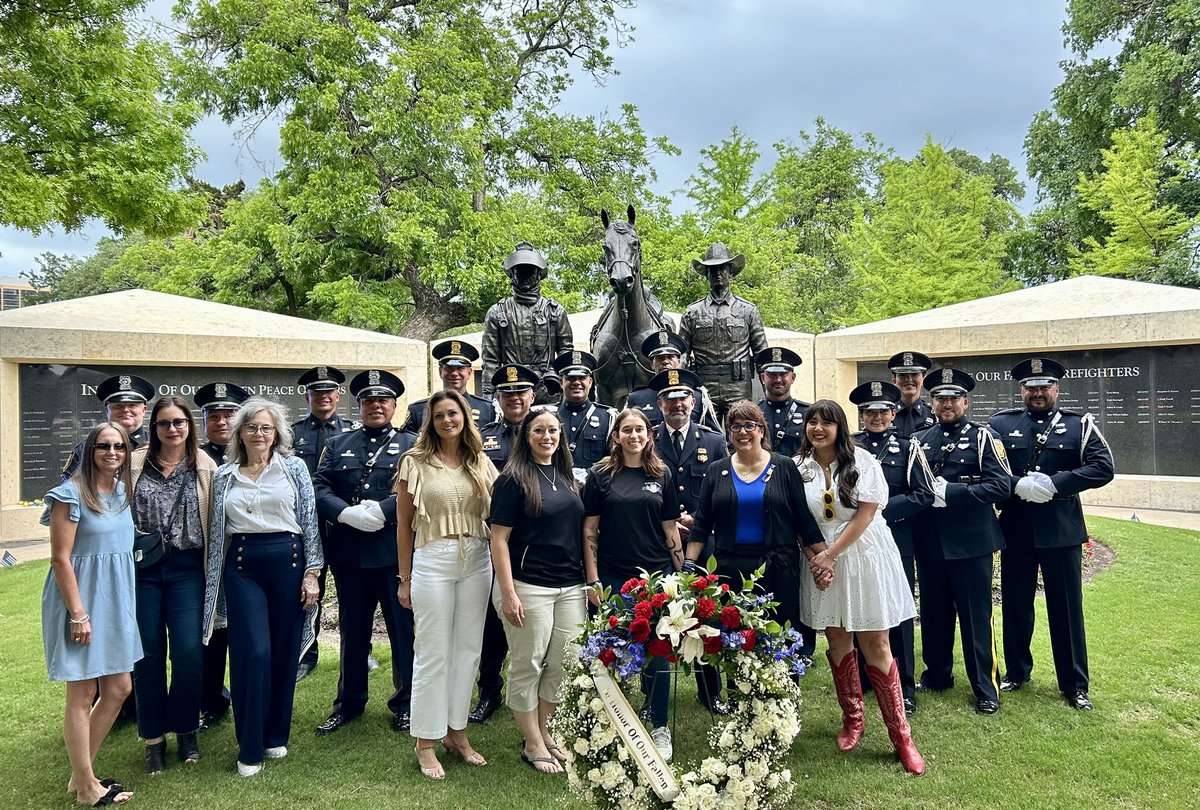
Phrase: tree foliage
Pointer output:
(85, 129)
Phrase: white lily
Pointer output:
(670, 585)
(677, 621)
(692, 649)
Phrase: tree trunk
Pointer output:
(433, 313)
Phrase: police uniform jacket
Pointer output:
(1075, 456)
(137, 439)
(646, 401)
(586, 427)
(979, 478)
(360, 466)
(785, 424)
(701, 447)
(483, 411)
(912, 419)
(908, 480)
(498, 440)
(215, 451)
(310, 433)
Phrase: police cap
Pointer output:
(125, 388)
(1038, 371)
(675, 383)
(776, 359)
(376, 383)
(949, 382)
(909, 363)
(220, 396)
(875, 395)
(663, 342)
(455, 352)
(512, 378)
(574, 364)
(321, 378)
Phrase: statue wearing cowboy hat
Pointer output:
(722, 331)
(526, 328)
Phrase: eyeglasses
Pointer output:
(744, 427)
(827, 499)
(104, 447)
(178, 424)
(254, 430)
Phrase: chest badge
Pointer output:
(301, 441)
(491, 442)
(393, 450)
(1017, 432)
(594, 421)
(701, 455)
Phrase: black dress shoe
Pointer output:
(717, 707)
(1080, 701)
(401, 721)
(926, 686)
(210, 719)
(156, 756)
(1010, 685)
(910, 707)
(333, 722)
(189, 750)
(987, 706)
(485, 708)
(304, 670)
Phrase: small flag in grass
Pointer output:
(1135, 518)
(8, 560)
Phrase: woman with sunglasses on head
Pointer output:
(867, 594)
(443, 496)
(537, 520)
(89, 627)
(751, 504)
(261, 580)
(631, 505)
(172, 494)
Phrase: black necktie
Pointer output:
(679, 444)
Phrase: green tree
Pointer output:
(932, 241)
(1149, 238)
(61, 278)
(85, 127)
(420, 142)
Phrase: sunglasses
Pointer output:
(827, 499)
(744, 427)
(104, 447)
(178, 424)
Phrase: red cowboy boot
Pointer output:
(891, 706)
(849, 694)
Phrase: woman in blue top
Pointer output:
(89, 624)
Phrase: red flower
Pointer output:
(659, 599)
(700, 583)
(705, 607)
(639, 630)
(643, 610)
(748, 639)
(731, 617)
(613, 621)
(659, 647)
(712, 645)
(672, 659)
(631, 585)
(607, 656)
(725, 587)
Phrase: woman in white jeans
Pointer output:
(537, 526)
(443, 494)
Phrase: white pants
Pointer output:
(449, 599)
(553, 617)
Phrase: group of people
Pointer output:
(481, 530)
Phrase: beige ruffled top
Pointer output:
(445, 503)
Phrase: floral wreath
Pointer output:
(688, 619)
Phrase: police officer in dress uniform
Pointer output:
(124, 397)
(955, 540)
(455, 363)
(665, 350)
(514, 387)
(586, 424)
(688, 448)
(322, 392)
(913, 414)
(218, 402)
(910, 490)
(1055, 454)
(353, 486)
(785, 414)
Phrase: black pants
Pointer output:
(900, 639)
(360, 592)
(492, 654)
(962, 587)
(262, 596)
(1063, 581)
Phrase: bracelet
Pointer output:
(403, 578)
(86, 618)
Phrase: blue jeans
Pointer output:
(170, 602)
(656, 679)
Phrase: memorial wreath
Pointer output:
(687, 619)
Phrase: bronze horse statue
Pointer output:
(630, 316)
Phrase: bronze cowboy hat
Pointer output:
(716, 255)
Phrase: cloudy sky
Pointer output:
(970, 74)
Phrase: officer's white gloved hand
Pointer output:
(1044, 487)
(375, 510)
(1026, 489)
(359, 517)
(939, 492)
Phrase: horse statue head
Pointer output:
(622, 253)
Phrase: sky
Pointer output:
(969, 74)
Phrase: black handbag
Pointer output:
(149, 548)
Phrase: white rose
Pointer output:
(756, 770)
(596, 705)
(594, 775)
(744, 687)
(581, 746)
(712, 768)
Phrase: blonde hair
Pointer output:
(85, 478)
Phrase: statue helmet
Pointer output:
(526, 254)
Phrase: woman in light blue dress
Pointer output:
(89, 622)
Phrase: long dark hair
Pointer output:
(746, 411)
(847, 476)
(470, 443)
(85, 477)
(523, 468)
(614, 462)
(190, 445)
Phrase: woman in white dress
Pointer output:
(857, 585)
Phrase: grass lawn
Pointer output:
(1139, 748)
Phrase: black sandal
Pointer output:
(111, 797)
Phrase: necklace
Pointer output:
(744, 470)
(553, 483)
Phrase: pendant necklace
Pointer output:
(553, 483)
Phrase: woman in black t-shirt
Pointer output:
(631, 503)
(536, 520)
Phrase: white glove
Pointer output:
(359, 517)
(1043, 488)
(375, 510)
(939, 492)
(1026, 489)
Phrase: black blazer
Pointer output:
(787, 518)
